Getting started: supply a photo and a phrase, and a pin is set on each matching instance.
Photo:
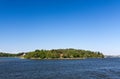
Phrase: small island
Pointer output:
(63, 54)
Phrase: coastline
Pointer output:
(21, 57)
(59, 58)
(52, 58)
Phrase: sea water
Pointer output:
(15, 68)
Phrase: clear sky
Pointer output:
(26, 25)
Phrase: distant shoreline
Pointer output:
(56, 58)
(49, 58)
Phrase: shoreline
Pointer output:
(60, 58)
(52, 58)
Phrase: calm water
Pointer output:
(15, 68)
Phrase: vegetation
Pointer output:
(7, 54)
(56, 54)
(11, 55)
(62, 53)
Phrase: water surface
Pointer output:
(15, 68)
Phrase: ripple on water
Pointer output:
(14, 68)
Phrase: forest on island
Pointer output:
(2, 54)
(62, 53)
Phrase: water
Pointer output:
(15, 68)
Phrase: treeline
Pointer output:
(7, 54)
(63, 53)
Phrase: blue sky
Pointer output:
(26, 25)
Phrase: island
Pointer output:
(63, 54)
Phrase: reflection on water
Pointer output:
(15, 68)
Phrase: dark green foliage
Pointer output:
(20, 54)
(63, 53)
(7, 54)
